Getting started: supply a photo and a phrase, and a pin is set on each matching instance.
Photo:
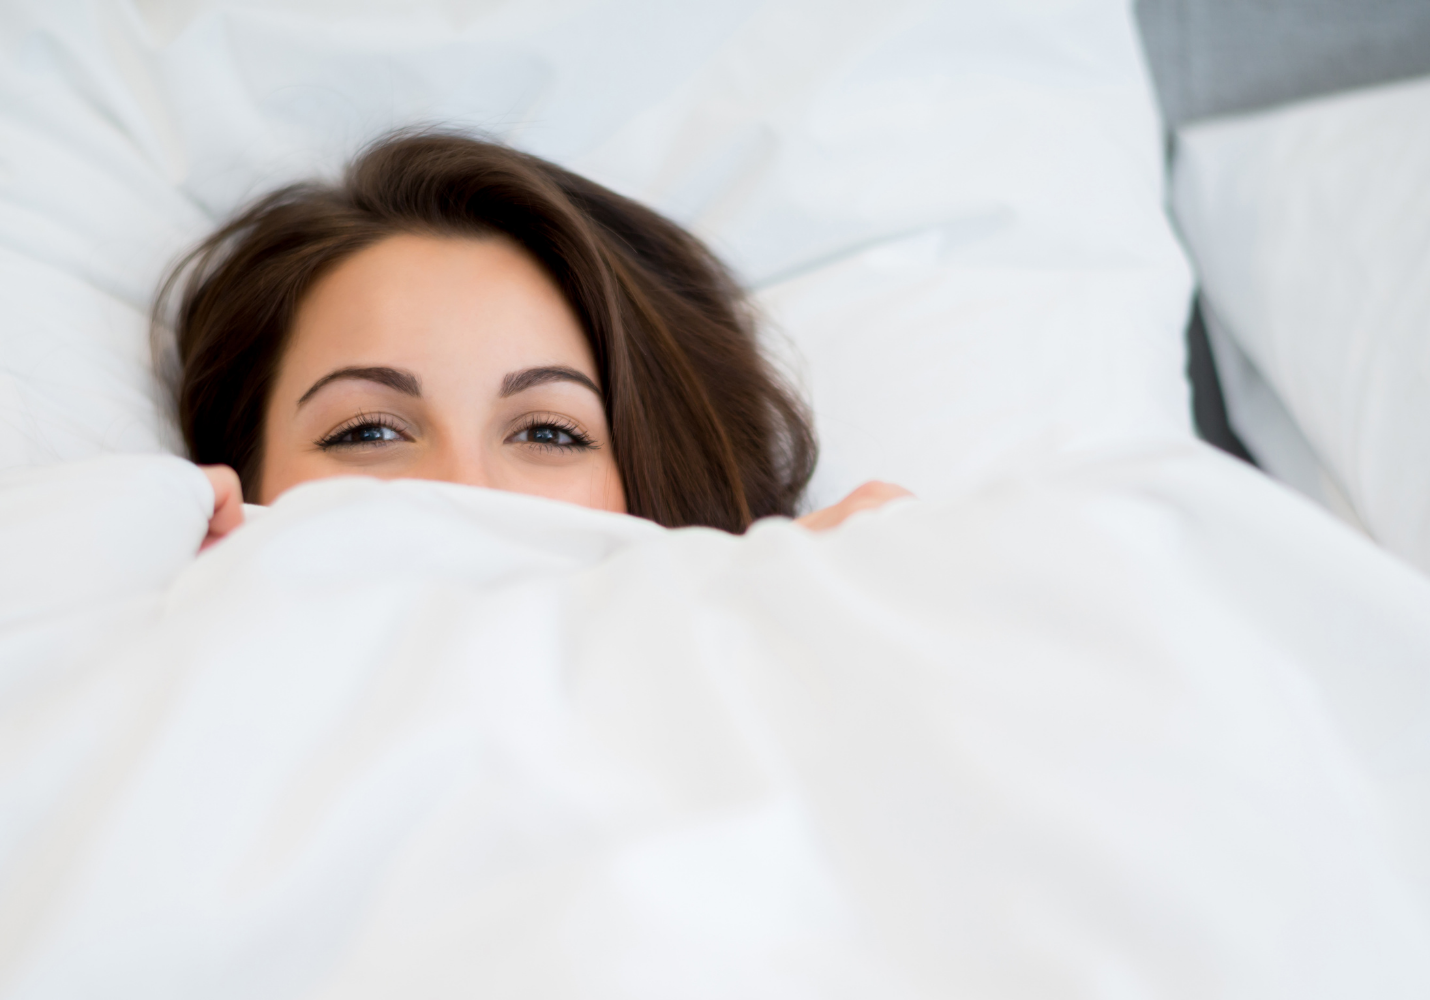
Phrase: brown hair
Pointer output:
(702, 430)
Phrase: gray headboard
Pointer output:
(1211, 57)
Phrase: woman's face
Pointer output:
(446, 358)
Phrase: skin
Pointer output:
(452, 359)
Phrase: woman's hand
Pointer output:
(867, 497)
(228, 502)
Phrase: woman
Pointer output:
(457, 310)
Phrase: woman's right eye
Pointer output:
(368, 433)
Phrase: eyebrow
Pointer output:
(394, 378)
(529, 378)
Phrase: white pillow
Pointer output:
(1309, 228)
(952, 211)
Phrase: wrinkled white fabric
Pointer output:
(1144, 726)
(1126, 722)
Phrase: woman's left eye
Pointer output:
(551, 436)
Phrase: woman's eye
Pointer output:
(551, 436)
(548, 435)
(364, 434)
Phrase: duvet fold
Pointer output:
(1110, 727)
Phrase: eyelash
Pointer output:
(357, 423)
(580, 441)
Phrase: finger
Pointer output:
(877, 492)
(228, 501)
(869, 496)
(823, 520)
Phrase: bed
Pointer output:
(1105, 712)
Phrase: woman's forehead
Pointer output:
(443, 306)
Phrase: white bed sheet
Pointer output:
(1144, 726)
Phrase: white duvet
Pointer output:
(1139, 725)
(1106, 715)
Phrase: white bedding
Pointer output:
(1105, 715)
(1308, 226)
(1144, 726)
